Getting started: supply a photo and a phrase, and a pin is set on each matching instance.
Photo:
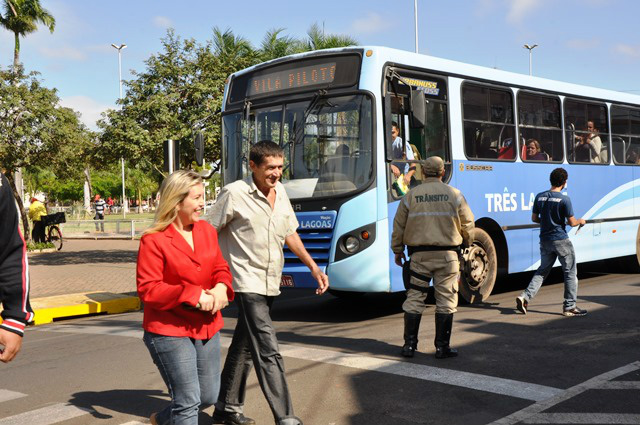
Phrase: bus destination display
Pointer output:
(295, 78)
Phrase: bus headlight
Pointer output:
(351, 244)
(355, 241)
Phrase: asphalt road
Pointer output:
(343, 365)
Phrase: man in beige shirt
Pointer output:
(254, 219)
(433, 220)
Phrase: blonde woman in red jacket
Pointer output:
(184, 282)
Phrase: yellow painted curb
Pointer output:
(49, 308)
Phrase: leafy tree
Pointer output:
(22, 17)
(36, 131)
(181, 91)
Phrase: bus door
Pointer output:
(416, 111)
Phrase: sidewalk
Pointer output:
(85, 277)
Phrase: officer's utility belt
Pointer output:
(425, 248)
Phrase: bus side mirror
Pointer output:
(199, 148)
(418, 109)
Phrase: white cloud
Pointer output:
(583, 44)
(89, 109)
(632, 52)
(63, 53)
(370, 24)
(162, 22)
(519, 9)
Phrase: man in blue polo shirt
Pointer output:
(551, 208)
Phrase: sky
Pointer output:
(590, 42)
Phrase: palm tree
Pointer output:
(231, 48)
(317, 39)
(275, 46)
(22, 17)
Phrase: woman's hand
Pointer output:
(219, 293)
(206, 301)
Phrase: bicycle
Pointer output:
(53, 233)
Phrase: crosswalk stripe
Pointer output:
(473, 381)
(620, 385)
(6, 395)
(508, 387)
(595, 382)
(46, 415)
(583, 418)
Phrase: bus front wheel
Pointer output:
(479, 269)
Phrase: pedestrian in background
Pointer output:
(99, 206)
(14, 276)
(184, 282)
(433, 221)
(553, 210)
(37, 210)
(255, 218)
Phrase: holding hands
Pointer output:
(214, 299)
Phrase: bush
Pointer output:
(39, 246)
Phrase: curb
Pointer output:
(48, 309)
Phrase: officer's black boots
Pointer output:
(444, 322)
(411, 328)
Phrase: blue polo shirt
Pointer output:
(554, 209)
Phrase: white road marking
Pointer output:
(597, 382)
(584, 418)
(491, 384)
(620, 385)
(47, 415)
(6, 395)
(135, 423)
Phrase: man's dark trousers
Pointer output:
(255, 344)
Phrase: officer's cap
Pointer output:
(433, 166)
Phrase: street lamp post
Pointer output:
(415, 19)
(119, 48)
(530, 48)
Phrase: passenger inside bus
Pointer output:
(534, 151)
(402, 150)
(589, 145)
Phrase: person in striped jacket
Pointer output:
(14, 276)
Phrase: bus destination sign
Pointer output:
(308, 76)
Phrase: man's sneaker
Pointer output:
(521, 305)
(228, 418)
(575, 311)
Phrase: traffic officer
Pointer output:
(433, 221)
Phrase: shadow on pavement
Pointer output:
(62, 258)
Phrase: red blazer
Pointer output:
(170, 274)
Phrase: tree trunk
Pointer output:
(16, 52)
(23, 214)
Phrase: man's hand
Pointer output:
(407, 179)
(322, 279)
(220, 299)
(400, 258)
(395, 170)
(12, 343)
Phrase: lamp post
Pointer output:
(415, 19)
(530, 48)
(119, 48)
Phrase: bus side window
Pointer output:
(489, 129)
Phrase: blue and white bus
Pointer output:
(332, 112)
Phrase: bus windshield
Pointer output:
(327, 142)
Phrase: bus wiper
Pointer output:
(246, 109)
(314, 101)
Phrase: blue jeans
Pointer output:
(550, 250)
(191, 370)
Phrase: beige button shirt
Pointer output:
(251, 235)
